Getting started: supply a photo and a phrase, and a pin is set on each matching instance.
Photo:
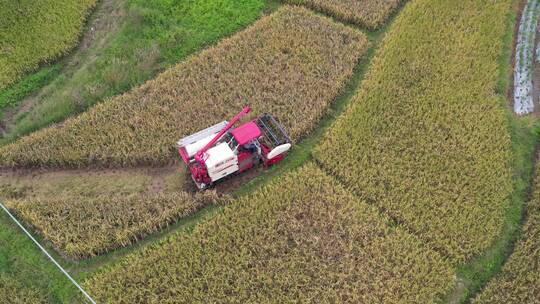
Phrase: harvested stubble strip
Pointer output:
(80, 227)
(369, 13)
(292, 64)
(519, 281)
(301, 239)
(426, 138)
(32, 32)
(12, 291)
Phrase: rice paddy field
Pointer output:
(303, 238)
(291, 64)
(408, 180)
(83, 227)
(366, 13)
(398, 144)
(12, 291)
(34, 32)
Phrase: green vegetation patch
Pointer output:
(303, 238)
(12, 291)
(426, 139)
(37, 31)
(127, 42)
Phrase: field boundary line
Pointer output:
(392, 221)
(48, 255)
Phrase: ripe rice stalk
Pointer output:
(426, 139)
(292, 64)
(38, 31)
(83, 227)
(303, 238)
(12, 291)
(367, 13)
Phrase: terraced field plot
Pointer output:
(36, 31)
(82, 223)
(291, 64)
(426, 139)
(519, 280)
(298, 239)
(82, 227)
(369, 13)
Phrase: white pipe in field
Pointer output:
(48, 255)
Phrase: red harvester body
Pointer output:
(222, 150)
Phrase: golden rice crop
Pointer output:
(426, 139)
(11, 291)
(37, 31)
(292, 64)
(82, 227)
(519, 280)
(369, 13)
(301, 239)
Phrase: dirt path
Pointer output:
(23, 183)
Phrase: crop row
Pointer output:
(11, 291)
(82, 227)
(426, 139)
(519, 280)
(368, 13)
(37, 31)
(301, 239)
(292, 64)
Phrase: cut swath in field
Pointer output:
(81, 227)
(301, 238)
(368, 13)
(519, 280)
(39, 31)
(292, 64)
(426, 139)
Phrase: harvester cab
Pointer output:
(222, 150)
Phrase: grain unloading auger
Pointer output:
(222, 150)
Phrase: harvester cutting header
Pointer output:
(221, 150)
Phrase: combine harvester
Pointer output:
(221, 150)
